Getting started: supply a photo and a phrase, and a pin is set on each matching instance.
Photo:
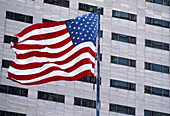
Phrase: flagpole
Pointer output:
(98, 66)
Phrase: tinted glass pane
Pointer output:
(157, 91)
(122, 109)
(147, 113)
(114, 59)
(24, 92)
(132, 86)
(148, 66)
(156, 114)
(52, 97)
(157, 22)
(8, 39)
(101, 33)
(2, 113)
(156, 67)
(19, 17)
(115, 36)
(81, 6)
(123, 61)
(113, 107)
(165, 24)
(165, 69)
(85, 103)
(132, 63)
(133, 17)
(6, 63)
(123, 38)
(148, 89)
(77, 101)
(61, 98)
(29, 19)
(165, 93)
(132, 40)
(131, 111)
(115, 13)
(148, 20)
(158, 1)
(3, 89)
(157, 44)
(13, 90)
(9, 15)
(123, 85)
(148, 43)
(124, 15)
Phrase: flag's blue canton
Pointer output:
(83, 28)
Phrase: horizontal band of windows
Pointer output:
(157, 22)
(48, 20)
(7, 113)
(122, 109)
(13, 90)
(6, 63)
(51, 97)
(154, 113)
(9, 39)
(162, 2)
(89, 79)
(124, 15)
(156, 67)
(89, 8)
(157, 91)
(156, 44)
(84, 102)
(122, 85)
(63, 3)
(19, 17)
(123, 61)
(123, 38)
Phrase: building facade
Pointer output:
(135, 60)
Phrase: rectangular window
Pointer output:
(122, 85)
(9, 39)
(124, 15)
(156, 67)
(122, 109)
(157, 91)
(101, 33)
(51, 97)
(13, 90)
(47, 20)
(84, 102)
(157, 45)
(157, 22)
(162, 2)
(123, 38)
(89, 79)
(154, 113)
(89, 8)
(7, 113)
(123, 61)
(19, 17)
(6, 63)
(63, 3)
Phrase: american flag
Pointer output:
(52, 51)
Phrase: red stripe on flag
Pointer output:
(51, 69)
(56, 78)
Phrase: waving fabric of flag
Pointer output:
(52, 51)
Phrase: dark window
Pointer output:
(124, 15)
(123, 61)
(19, 17)
(157, 22)
(156, 67)
(84, 102)
(13, 90)
(154, 113)
(101, 33)
(157, 91)
(156, 44)
(88, 8)
(47, 20)
(122, 109)
(123, 38)
(7, 113)
(122, 85)
(89, 79)
(162, 2)
(63, 3)
(51, 97)
(8, 39)
(6, 63)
